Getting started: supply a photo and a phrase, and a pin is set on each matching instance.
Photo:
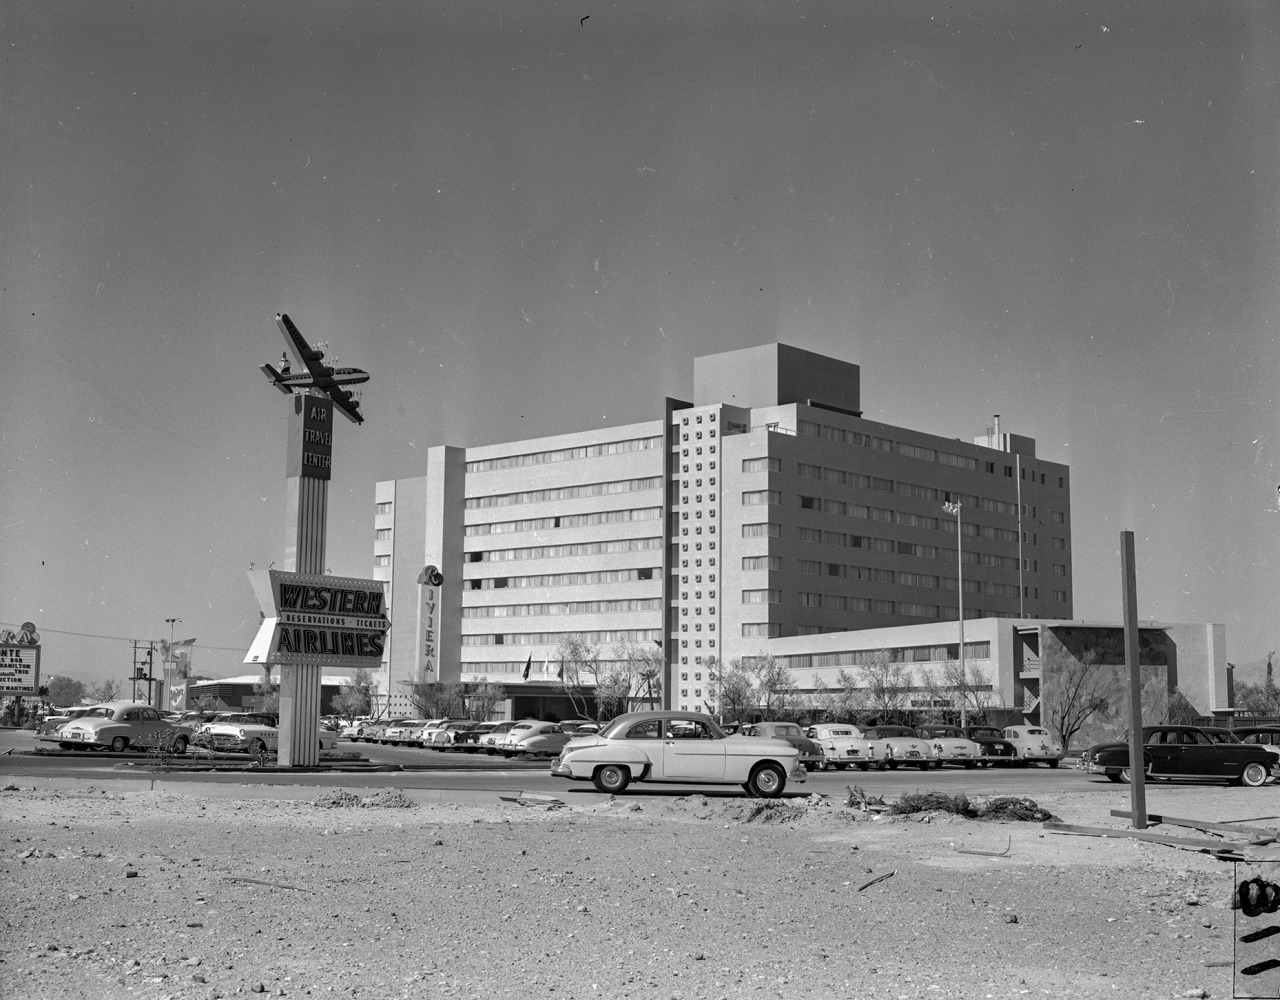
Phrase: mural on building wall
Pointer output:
(1085, 684)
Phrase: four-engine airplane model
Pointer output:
(318, 375)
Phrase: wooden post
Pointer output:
(1137, 773)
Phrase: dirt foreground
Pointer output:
(112, 894)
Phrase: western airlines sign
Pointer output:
(330, 620)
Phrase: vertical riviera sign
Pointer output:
(430, 580)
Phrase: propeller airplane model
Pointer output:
(318, 375)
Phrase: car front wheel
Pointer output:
(612, 779)
(767, 781)
(1253, 775)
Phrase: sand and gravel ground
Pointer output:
(112, 894)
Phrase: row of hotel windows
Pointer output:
(843, 602)
(563, 521)
(870, 657)
(815, 429)
(539, 671)
(594, 577)
(566, 454)
(565, 493)
(563, 551)
(563, 608)
(555, 638)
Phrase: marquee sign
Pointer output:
(430, 580)
(20, 660)
(310, 452)
(332, 621)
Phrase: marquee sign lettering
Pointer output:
(329, 620)
(20, 660)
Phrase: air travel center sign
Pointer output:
(333, 621)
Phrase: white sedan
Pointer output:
(681, 748)
(1035, 745)
(842, 746)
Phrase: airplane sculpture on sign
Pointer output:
(318, 375)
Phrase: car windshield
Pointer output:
(102, 712)
(979, 731)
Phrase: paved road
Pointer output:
(405, 767)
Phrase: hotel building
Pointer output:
(766, 509)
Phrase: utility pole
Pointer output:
(955, 508)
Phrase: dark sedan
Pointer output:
(1184, 752)
(993, 748)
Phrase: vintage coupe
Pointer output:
(1035, 745)
(842, 746)
(789, 732)
(995, 749)
(902, 747)
(534, 739)
(50, 724)
(121, 725)
(950, 745)
(678, 747)
(1184, 752)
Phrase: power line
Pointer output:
(116, 638)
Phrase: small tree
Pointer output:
(437, 700)
(107, 690)
(579, 669)
(267, 694)
(1073, 693)
(355, 696)
(644, 664)
(482, 698)
(888, 684)
(773, 688)
(737, 692)
(65, 690)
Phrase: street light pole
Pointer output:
(955, 508)
(169, 659)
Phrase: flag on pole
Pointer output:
(527, 664)
(178, 654)
(560, 672)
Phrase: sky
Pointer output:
(527, 219)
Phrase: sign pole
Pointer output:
(1137, 771)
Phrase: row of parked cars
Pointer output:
(522, 737)
(844, 745)
(125, 725)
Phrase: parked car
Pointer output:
(49, 726)
(842, 747)
(1184, 752)
(681, 747)
(492, 742)
(445, 736)
(351, 731)
(582, 726)
(536, 739)
(239, 732)
(789, 732)
(192, 721)
(1036, 745)
(902, 747)
(119, 726)
(950, 745)
(251, 732)
(995, 748)
(469, 740)
(1263, 736)
(373, 731)
(404, 733)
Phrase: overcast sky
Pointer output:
(525, 219)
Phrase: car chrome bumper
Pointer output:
(561, 770)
